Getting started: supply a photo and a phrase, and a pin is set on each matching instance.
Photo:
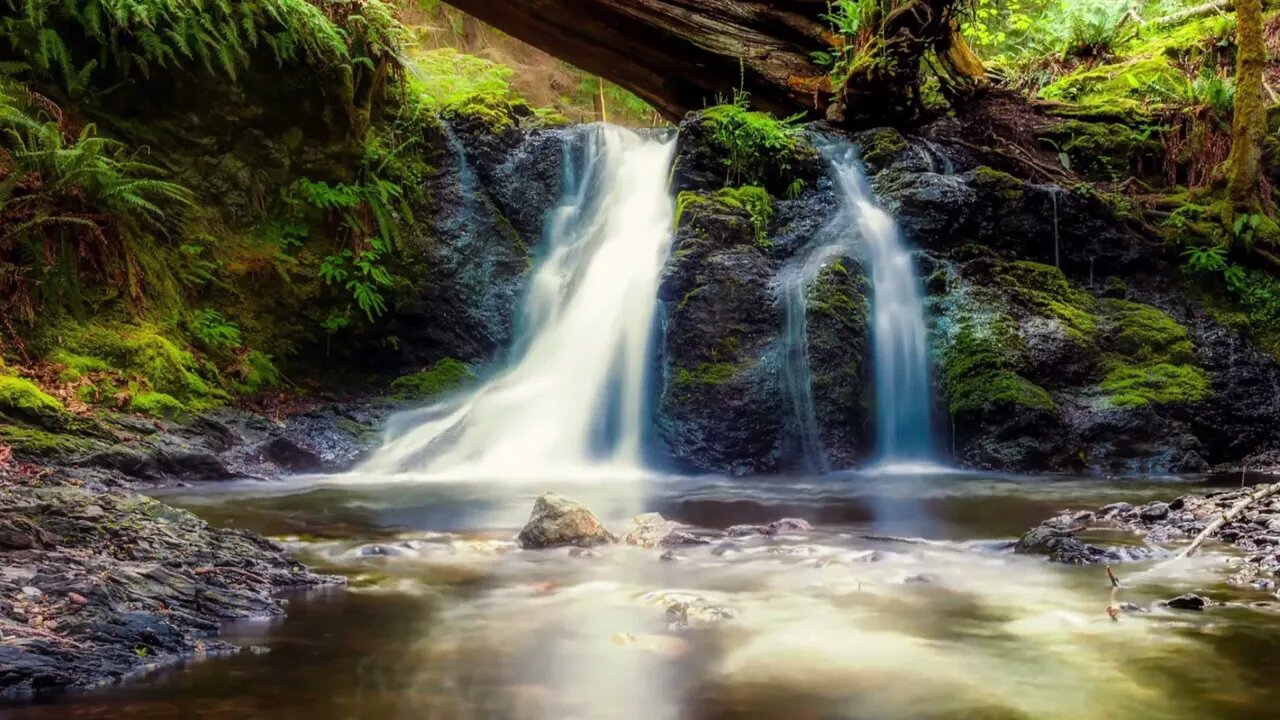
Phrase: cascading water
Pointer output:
(573, 398)
(901, 362)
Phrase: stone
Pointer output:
(651, 530)
(1059, 545)
(1154, 511)
(785, 526)
(558, 521)
(1190, 601)
(32, 592)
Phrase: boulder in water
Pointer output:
(558, 521)
(784, 526)
(1189, 601)
(652, 530)
(1059, 545)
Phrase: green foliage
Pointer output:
(1106, 151)
(138, 38)
(1092, 26)
(755, 200)
(754, 146)
(70, 204)
(364, 215)
(257, 371)
(214, 331)
(446, 375)
(692, 379)
(461, 85)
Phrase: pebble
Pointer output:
(32, 592)
(77, 599)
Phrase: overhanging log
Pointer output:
(681, 55)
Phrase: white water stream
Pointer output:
(573, 400)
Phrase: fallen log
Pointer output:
(1192, 13)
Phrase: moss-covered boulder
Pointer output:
(719, 409)
(443, 377)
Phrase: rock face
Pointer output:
(490, 194)
(98, 585)
(558, 521)
(725, 406)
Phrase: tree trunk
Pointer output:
(682, 55)
(1250, 124)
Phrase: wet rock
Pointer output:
(289, 455)
(122, 582)
(1189, 601)
(557, 520)
(786, 526)
(1154, 511)
(651, 530)
(697, 614)
(1059, 545)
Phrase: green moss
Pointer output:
(1134, 83)
(24, 400)
(143, 355)
(757, 201)
(1105, 151)
(1046, 289)
(43, 444)
(1145, 334)
(994, 183)
(76, 366)
(158, 405)
(703, 375)
(1129, 385)
(881, 147)
(446, 375)
(978, 368)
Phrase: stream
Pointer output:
(925, 615)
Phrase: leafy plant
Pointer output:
(752, 142)
(215, 331)
(1246, 226)
(1205, 260)
(71, 203)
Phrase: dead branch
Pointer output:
(1192, 13)
(1265, 492)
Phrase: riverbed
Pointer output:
(902, 601)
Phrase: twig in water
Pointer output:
(1112, 609)
(1226, 517)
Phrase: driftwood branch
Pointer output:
(1262, 494)
(1192, 13)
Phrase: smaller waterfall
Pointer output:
(797, 380)
(899, 338)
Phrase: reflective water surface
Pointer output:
(901, 603)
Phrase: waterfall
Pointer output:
(797, 380)
(904, 432)
(572, 398)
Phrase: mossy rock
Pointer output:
(21, 399)
(158, 405)
(1105, 151)
(142, 353)
(42, 444)
(446, 375)
(881, 147)
(979, 368)
(992, 183)
(1145, 334)
(1046, 289)
(1161, 383)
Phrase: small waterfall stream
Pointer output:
(573, 398)
(904, 433)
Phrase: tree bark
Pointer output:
(1249, 126)
(682, 55)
